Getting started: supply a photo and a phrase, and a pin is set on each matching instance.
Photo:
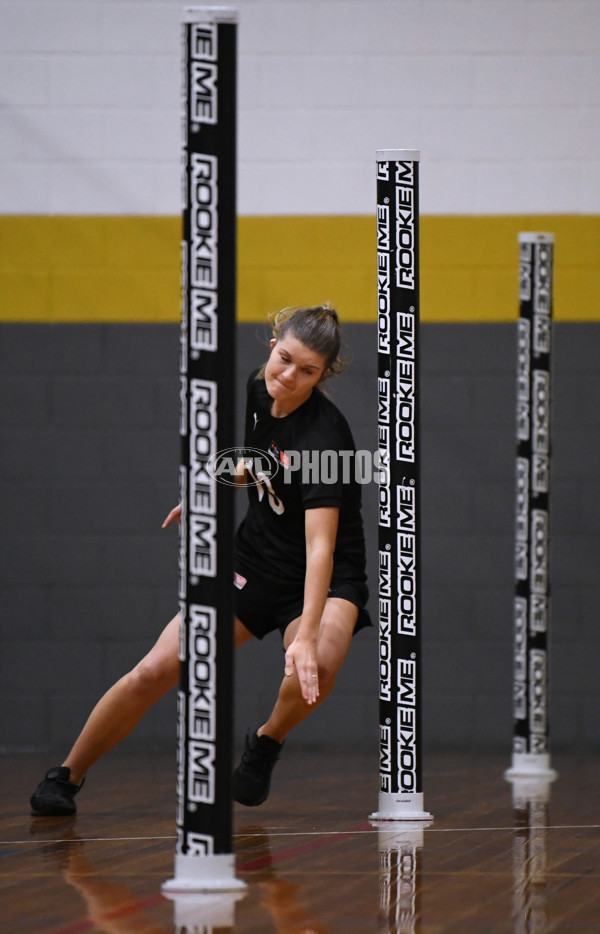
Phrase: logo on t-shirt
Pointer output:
(279, 455)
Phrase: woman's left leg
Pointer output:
(252, 778)
(335, 635)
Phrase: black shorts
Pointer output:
(264, 605)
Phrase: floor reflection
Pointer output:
(111, 907)
(284, 901)
(531, 807)
(496, 858)
(400, 848)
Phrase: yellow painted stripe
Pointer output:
(76, 268)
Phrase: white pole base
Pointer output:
(400, 807)
(530, 791)
(212, 873)
(531, 765)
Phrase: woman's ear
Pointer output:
(272, 342)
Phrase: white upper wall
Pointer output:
(502, 97)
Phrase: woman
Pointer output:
(299, 565)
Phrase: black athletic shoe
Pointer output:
(252, 778)
(54, 796)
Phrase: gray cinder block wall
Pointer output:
(88, 469)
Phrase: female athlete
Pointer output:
(299, 564)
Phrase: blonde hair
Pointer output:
(317, 327)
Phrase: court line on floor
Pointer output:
(392, 826)
(396, 828)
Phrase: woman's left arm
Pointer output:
(321, 526)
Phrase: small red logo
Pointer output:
(279, 455)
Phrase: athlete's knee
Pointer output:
(153, 676)
(330, 658)
(328, 672)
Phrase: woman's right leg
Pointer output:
(114, 717)
(120, 709)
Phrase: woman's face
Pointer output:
(291, 374)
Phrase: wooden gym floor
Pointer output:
(312, 861)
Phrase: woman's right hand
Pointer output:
(174, 516)
(302, 656)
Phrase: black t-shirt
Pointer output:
(271, 539)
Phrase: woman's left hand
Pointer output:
(302, 655)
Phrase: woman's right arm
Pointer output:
(240, 473)
(240, 480)
(174, 516)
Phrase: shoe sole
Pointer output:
(52, 812)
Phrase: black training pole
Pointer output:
(399, 679)
(204, 859)
(531, 756)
